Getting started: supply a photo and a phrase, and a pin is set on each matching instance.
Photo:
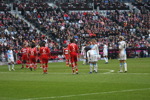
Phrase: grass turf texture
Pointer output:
(60, 84)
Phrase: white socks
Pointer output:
(91, 67)
(125, 66)
(95, 67)
(13, 67)
(106, 59)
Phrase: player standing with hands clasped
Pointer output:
(122, 54)
(93, 56)
(73, 52)
(10, 58)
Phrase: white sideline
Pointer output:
(86, 94)
(110, 72)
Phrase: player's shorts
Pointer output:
(24, 57)
(33, 59)
(122, 57)
(73, 57)
(93, 58)
(66, 57)
(10, 60)
(105, 54)
(44, 59)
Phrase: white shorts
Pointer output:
(105, 54)
(93, 58)
(10, 60)
(122, 57)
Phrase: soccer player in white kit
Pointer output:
(105, 53)
(93, 56)
(122, 54)
(10, 58)
(83, 53)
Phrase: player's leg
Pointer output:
(23, 62)
(34, 64)
(76, 65)
(84, 59)
(27, 63)
(9, 63)
(67, 62)
(46, 65)
(95, 67)
(72, 64)
(121, 66)
(106, 59)
(91, 67)
(125, 66)
(45, 68)
(12, 64)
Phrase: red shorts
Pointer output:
(67, 57)
(44, 59)
(33, 59)
(24, 57)
(73, 57)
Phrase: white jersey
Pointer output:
(122, 50)
(10, 56)
(93, 54)
(105, 50)
(83, 53)
(95, 48)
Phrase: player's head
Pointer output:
(25, 44)
(93, 41)
(42, 44)
(121, 38)
(72, 41)
(32, 45)
(10, 48)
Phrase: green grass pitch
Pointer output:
(60, 84)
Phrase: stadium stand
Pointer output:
(63, 21)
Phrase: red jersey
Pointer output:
(44, 54)
(32, 55)
(44, 51)
(73, 48)
(33, 52)
(24, 53)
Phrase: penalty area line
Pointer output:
(86, 94)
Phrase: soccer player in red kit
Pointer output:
(24, 57)
(66, 54)
(33, 56)
(73, 52)
(44, 56)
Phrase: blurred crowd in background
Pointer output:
(57, 26)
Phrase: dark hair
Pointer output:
(42, 43)
(72, 40)
(32, 45)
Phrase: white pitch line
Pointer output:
(86, 94)
(110, 72)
